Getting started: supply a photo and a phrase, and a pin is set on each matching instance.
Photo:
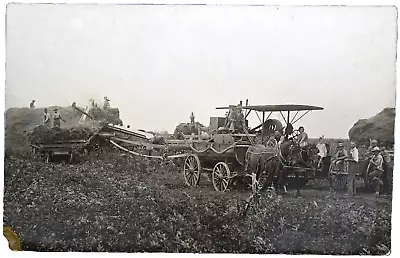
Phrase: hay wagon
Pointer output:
(66, 150)
(69, 150)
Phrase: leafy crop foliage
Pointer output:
(115, 202)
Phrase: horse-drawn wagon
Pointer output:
(52, 144)
(66, 150)
(226, 156)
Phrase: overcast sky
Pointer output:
(157, 64)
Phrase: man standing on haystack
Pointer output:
(56, 119)
(192, 117)
(106, 103)
(46, 118)
(32, 104)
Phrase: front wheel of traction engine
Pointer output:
(221, 177)
(192, 170)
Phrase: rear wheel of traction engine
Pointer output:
(220, 177)
(370, 185)
(192, 170)
(337, 182)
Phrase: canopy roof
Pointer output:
(271, 108)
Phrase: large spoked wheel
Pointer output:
(221, 177)
(295, 135)
(192, 170)
(337, 182)
(371, 183)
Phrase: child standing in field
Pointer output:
(322, 151)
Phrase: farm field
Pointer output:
(119, 203)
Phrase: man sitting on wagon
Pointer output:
(240, 122)
(230, 118)
(373, 144)
(340, 156)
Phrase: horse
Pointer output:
(291, 154)
(259, 161)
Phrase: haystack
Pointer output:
(379, 127)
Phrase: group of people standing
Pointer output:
(56, 118)
(377, 168)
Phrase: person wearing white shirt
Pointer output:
(354, 151)
(352, 168)
(322, 151)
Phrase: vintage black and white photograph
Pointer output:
(245, 129)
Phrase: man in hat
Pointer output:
(373, 144)
(376, 169)
(340, 157)
(231, 117)
(106, 103)
(240, 120)
(56, 119)
(32, 104)
(46, 118)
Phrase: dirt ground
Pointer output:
(114, 202)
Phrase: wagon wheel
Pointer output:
(221, 177)
(337, 182)
(192, 170)
(370, 185)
